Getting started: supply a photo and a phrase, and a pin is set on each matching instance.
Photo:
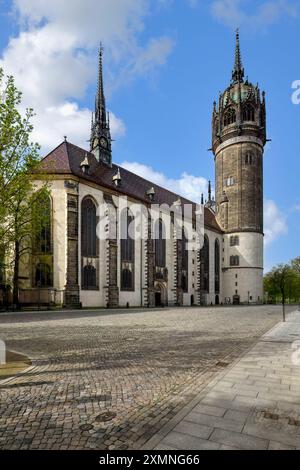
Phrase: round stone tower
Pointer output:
(239, 136)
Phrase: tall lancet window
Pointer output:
(229, 117)
(42, 246)
(217, 266)
(248, 113)
(185, 263)
(160, 244)
(127, 251)
(204, 266)
(89, 245)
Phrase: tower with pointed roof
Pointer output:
(238, 140)
(100, 131)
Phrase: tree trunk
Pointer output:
(16, 276)
(283, 307)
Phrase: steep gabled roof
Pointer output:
(67, 158)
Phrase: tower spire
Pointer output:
(100, 134)
(238, 72)
(100, 99)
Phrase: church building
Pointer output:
(74, 266)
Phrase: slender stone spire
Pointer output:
(100, 98)
(100, 134)
(238, 72)
(209, 191)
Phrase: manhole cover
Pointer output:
(104, 417)
(86, 427)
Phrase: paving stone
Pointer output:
(241, 441)
(236, 416)
(214, 421)
(279, 446)
(193, 429)
(186, 442)
(210, 410)
(140, 365)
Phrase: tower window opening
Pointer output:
(229, 117)
(248, 113)
(234, 241)
(249, 158)
(229, 181)
(234, 260)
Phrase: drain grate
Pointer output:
(105, 417)
(86, 427)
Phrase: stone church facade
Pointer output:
(76, 266)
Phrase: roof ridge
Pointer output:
(52, 151)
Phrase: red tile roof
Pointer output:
(67, 158)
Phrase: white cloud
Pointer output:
(188, 186)
(54, 59)
(234, 13)
(275, 222)
(69, 120)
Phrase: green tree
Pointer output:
(295, 263)
(19, 159)
(282, 282)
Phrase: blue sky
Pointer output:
(165, 62)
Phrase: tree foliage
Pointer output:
(282, 284)
(20, 217)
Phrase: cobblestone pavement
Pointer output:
(111, 380)
(255, 404)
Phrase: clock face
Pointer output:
(103, 142)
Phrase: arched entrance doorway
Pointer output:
(161, 294)
(217, 300)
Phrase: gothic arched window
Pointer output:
(89, 245)
(127, 250)
(160, 244)
(42, 219)
(185, 263)
(43, 275)
(89, 280)
(88, 228)
(229, 117)
(217, 266)
(127, 279)
(204, 266)
(248, 113)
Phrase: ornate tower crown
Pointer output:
(241, 108)
(100, 131)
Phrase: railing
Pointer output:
(41, 296)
